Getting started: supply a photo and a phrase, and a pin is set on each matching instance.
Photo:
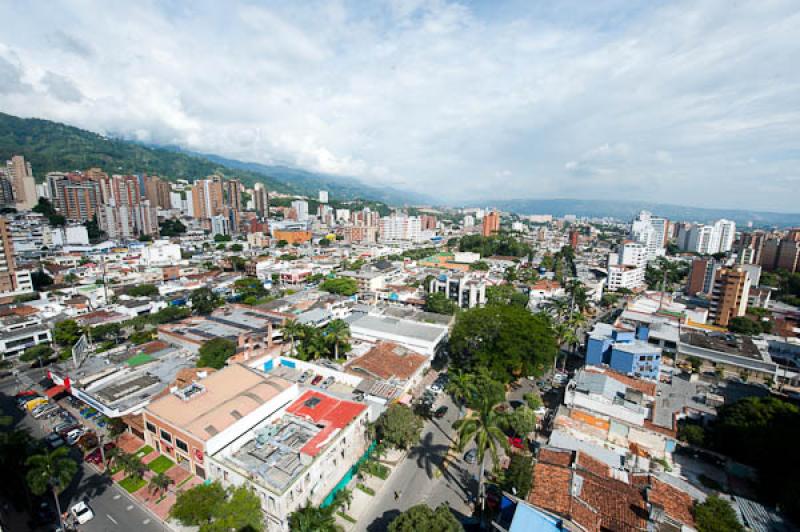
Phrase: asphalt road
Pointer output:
(422, 477)
(113, 509)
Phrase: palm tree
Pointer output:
(337, 333)
(292, 329)
(53, 470)
(160, 482)
(461, 387)
(558, 307)
(343, 498)
(313, 519)
(482, 426)
(71, 279)
(133, 465)
(115, 455)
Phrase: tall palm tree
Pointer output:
(337, 333)
(461, 387)
(114, 455)
(343, 499)
(53, 470)
(313, 519)
(133, 465)
(160, 482)
(293, 329)
(558, 308)
(482, 426)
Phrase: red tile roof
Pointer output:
(551, 488)
(388, 360)
(333, 414)
(677, 504)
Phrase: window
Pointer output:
(151, 427)
(180, 444)
(166, 436)
(200, 472)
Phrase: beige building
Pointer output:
(729, 295)
(22, 182)
(7, 263)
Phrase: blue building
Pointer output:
(623, 350)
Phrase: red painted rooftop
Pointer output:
(329, 412)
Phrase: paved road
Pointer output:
(422, 478)
(113, 510)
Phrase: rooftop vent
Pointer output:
(189, 391)
(311, 403)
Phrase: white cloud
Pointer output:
(613, 99)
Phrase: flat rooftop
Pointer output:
(394, 326)
(731, 344)
(218, 401)
(278, 453)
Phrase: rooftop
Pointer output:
(227, 396)
(398, 327)
(387, 361)
(731, 344)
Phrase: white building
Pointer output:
(626, 268)
(301, 208)
(400, 227)
(323, 196)
(469, 221)
(161, 253)
(220, 225)
(651, 231)
(343, 215)
(711, 239)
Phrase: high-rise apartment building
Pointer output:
(323, 196)
(782, 253)
(428, 222)
(6, 190)
(22, 183)
(748, 247)
(125, 214)
(261, 200)
(710, 239)
(729, 295)
(701, 276)
(626, 268)
(491, 223)
(7, 262)
(207, 197)
(157, 191)
(652, 232)
(400, 227)
(301, 209)
(76, 196)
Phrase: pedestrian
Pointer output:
(396, 496)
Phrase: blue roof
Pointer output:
(529, 519)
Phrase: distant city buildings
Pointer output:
(491, 223)
(652, 232)
(707, 239)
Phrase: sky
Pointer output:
(694, 103)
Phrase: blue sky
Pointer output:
(693, 102)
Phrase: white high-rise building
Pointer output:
(651, 231)
(400, 227)
(626, 268)
(469, 221)
(343, 215)
(301, 208)
(711, 239)
(725, 231)
(323, 196)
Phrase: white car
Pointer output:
(435, 388)
(82, 512)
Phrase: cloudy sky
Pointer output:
(694, 102)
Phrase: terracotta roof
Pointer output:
(562, 457)
(677, 504)
(586, 462)
(621, 506)
(333, 414)
(386, 361)
(551, 488)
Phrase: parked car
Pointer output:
(516, 442)
(82, 512)
(440, 412)
(316, 380)
(435, 388)
(304, 377)
(44, 411)
(471, 457)
(74, 435)
(64, 428)
(54, 440)
(94, 457)
(327, 382)
(33, 403)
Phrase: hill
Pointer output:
(52, 146)
(626, 210)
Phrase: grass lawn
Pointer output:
(131, 484)
(144, 451)
(160, 464)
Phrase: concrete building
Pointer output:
(623, 350)
(301, 209)
(709, 239)
(261, 200)
(22, 183)
(124, 213)
(425, 338)
(207, 197)
(651, 232)
(161, 253)
(626, 267)
(491, 223)
(297, 456)
(464, 289)
(200, 419)
(323, 196)
(7, 258)
(701, 276)
(400, 227)
(729, 295)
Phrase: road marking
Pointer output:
(146, 522)
(112, 519)
(117, 496)
(130, 507)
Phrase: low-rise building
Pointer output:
(464, 289)
(624, 350)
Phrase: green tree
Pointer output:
(505, 294)
(172, 227)
(483, 427)
(398, 427)
(51, 470)
(160, 483)
(40, 280)
(532, 400)
(66, 333)
(39, 353)
(716, 515)
(479, 266)
(215, 352)
(509, 341)
(199, 505)
(133, 465)
(518, 478)
(461, 386)
(312, 519)
(140, 337)
(93, 230)
(343, 286)
(692, 433)
(744, 325)
(241, 511)
(422, 517)
(521, 421)
(292, 329)
(439, 304)
(143, 290)
(236, 248)
(204, 300)
(337, 333)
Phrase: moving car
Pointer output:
(82, 512)
(471, 457)
(440, 412)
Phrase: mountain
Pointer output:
(52, 146)
(626, 210)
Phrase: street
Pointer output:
(112, 507)
(421, 477)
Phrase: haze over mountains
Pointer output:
(52, 146)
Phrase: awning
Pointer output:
(55, 390)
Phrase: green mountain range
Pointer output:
(55, 147)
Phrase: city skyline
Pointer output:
(687, 103)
